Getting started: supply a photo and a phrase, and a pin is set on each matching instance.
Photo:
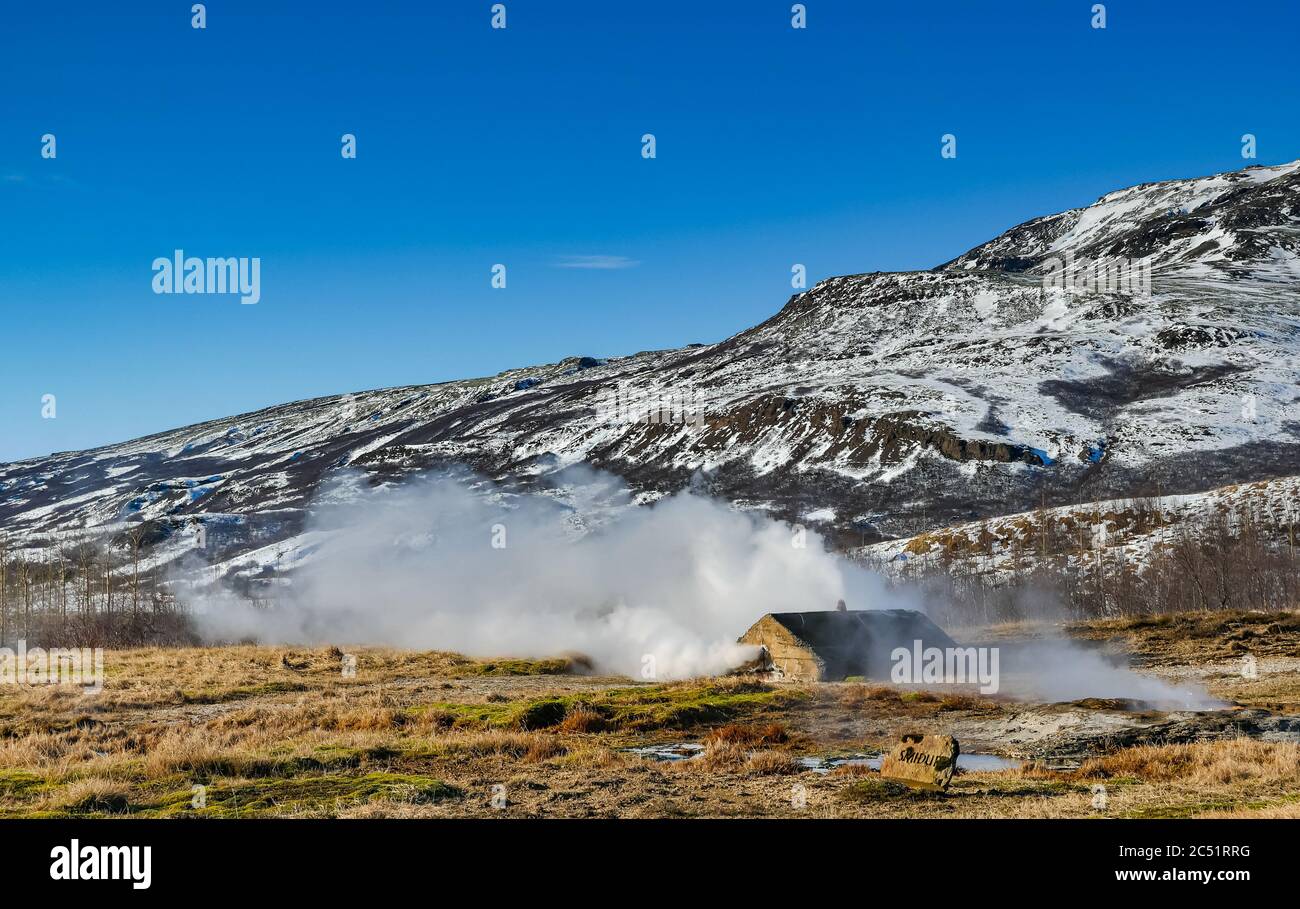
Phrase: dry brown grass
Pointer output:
(751, 735)
(308, 714)
(854, 770)
(768, 763)
(1198, 637)
(40, 750)
(527, 746)
(599, 757)
(733, 751)
(859, 696)
(717, 755)
(544, 748)
(1218, 763)
(292, 737)
(733, 684)
(1289, 810)
(90, 794)
(583, 720)
(966, 702)
(855, 696)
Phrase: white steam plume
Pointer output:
(1058, 670)
(678, 581)
(415, 566)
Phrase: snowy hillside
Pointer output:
(871, 406)
(1122, 531)
(1240, 224)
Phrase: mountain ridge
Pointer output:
(872, 406)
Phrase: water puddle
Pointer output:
(679, 751)
(685, 751)
(973, 763)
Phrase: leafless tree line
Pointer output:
(85, 595)
(1148, 560)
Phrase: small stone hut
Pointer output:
(834, 645)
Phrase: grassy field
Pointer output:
(253, 731)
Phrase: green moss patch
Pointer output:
(624, 709)
(20, 784)
(226, 695)
(474, 668)
(876, 790)
(324, 793)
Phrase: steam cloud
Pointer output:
(1058, 670)
(678, 581)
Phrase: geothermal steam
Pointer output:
(661, 591)
(655, 592)
(1058, 670)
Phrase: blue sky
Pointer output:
(522, 146)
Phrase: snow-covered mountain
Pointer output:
(871, 406)
(1238, 224)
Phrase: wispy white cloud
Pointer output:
(599, 262)
(41, 180)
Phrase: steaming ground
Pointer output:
(1056, 671)
(653, 592)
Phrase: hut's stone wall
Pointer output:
(790, 657)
